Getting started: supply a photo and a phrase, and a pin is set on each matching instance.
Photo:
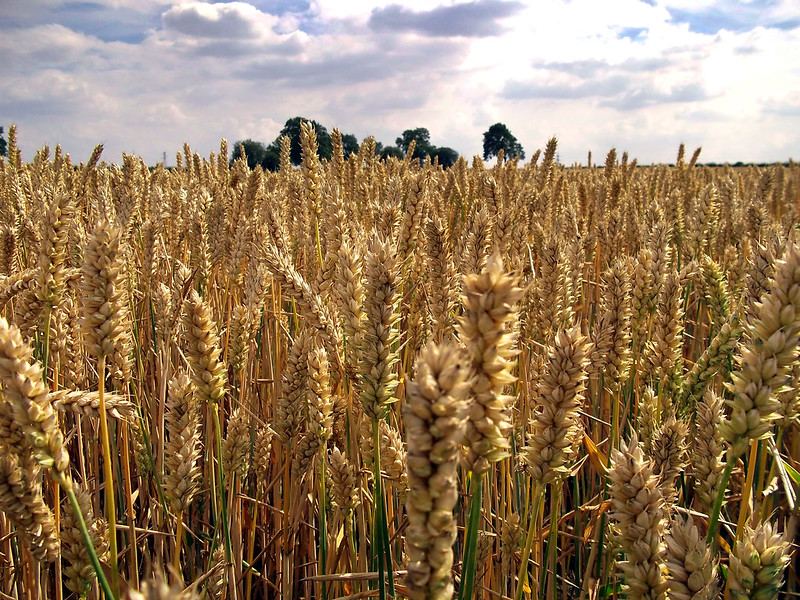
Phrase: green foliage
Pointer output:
(3, 144)
(447, 156)
(421, 136)
(387, 151)
(498, 137)
(292, 130)
(257, 153)
(268, 156)
(349, 144)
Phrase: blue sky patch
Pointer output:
(632, 32)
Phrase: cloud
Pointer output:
(233, 20)
(478, 18)
(518, 90)
(736, 15)
(623, 74)
(614, 91)
(647, 96)
(369, 64)
(783, 108)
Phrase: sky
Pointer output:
(642, 76)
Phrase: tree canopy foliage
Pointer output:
(3, 144)
(423, 147)
(349, 144)
(268, 156)
(447, 157)
(256, 152)
(497, 138)
(292, 130)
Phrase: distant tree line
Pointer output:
(417, 140)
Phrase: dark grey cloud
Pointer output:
(471, 19)
(107, 23)
(783, 109)
(223, 21)
(647, 96)
(733, 15)
(236, 49)
(519, 90)
(591, 68)
(623, 91)
(354, 67)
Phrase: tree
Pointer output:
(387, 151)
(292, 130)
(349, 144)
(255, 152)
(421, 136)
(498, 137)
(3, 144)
(447, 156)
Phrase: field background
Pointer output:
(206, 356)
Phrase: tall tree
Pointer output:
(254, 151)
(447, 156)
(387, 151)
(349, 144)
(421, 136)
(498, 137)
(292, 130)
(3, 144)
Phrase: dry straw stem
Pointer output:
(757, 563)
(435, 418)
(484, 329)
(640, 514)
(557, 422)
(765, 365)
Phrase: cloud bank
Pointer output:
(146, 75)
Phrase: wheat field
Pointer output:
(365, 378)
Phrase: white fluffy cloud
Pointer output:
(638, 75)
